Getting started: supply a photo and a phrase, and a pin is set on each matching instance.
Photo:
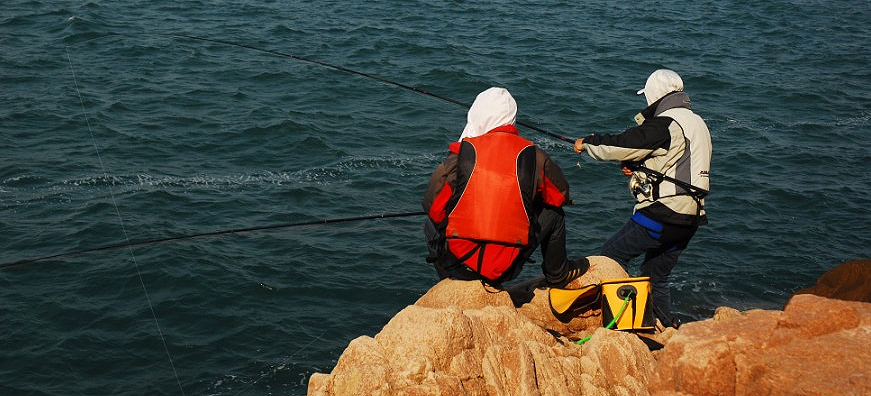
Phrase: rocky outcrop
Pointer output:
(848, 281)
(815, 346)
(463, 338)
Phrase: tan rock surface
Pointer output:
(816, 346)
(463, 338)
(848, 281)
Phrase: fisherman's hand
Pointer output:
(626, 171)
(579, 145)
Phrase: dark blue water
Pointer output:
(113, 131)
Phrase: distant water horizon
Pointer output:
(115, 128)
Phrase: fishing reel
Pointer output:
(640, 184)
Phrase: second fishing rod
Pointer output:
(273, 226)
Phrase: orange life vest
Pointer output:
(493, 200)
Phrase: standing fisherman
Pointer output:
(495, 199)
(668, 158)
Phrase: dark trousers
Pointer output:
(661, 245)
(549, 232)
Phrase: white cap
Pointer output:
(659, 84)
(492, 108)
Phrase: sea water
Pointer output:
(114, 129)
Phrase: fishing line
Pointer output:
(339, 68)
(282, 365)
(359, 73)
(121, 221)
(130, 244)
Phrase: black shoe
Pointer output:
(576, 268)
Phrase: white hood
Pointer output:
(492, 108)
(659, 84)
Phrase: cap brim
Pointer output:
(640, 91)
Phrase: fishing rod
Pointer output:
(359, 73)
(276, 226)
(204, 234)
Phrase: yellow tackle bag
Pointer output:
(624, 298)
(627, 298)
